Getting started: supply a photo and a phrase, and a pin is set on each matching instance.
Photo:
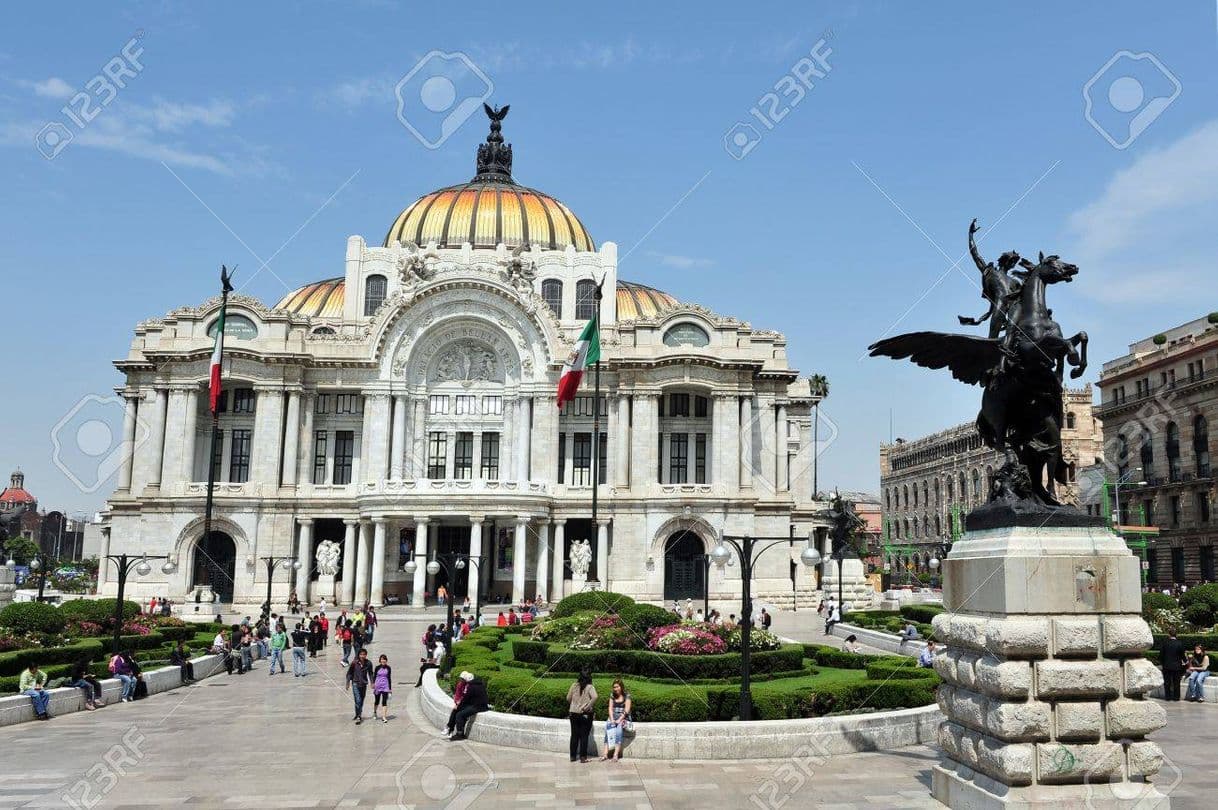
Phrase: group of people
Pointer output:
(831, 612)
(1178, 664)
(160, 606)
(581, 706)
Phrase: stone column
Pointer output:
(543, 559)
(397, 452)
(523, 433)
(420, 558)
(268, 428)
(560, 544)
(544, 444)
(727, 448)
(103, 565)
(622, 439)
(156, 441)
(362, 564)
(1044, 681)
(291, 441)
(175, 426)
(349, 544)
(474, 579)
(304, 553)
(644, 434)
(507, 442)
(128, 446)
(376, 436)
(602, 552)
(304, 473)
(377, 592)
(782, 433)
(519, 559)
(417, 467)
(190, 406)
(746, 441)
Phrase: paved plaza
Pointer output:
(254, 741)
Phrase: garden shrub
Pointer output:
(98, 610)
(921, 613)
(564, 628)
(1199, 615)
(1154, 600)
(598, 601)
(531, 652)
(685, 667)
(1206, 595)
(32, 617)
(641, 617)
(11, 663)
(900, 668)
(143, 642)
(840, 659)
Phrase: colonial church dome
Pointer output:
(490, 209)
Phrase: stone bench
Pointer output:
(1209, 689)
(756, 739)
(67, 699)
(880, 640)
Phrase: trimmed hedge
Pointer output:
(11, 663)
(840, 659)
(1155, 600)
(100, 611)
(649, 664)
(32, 617)
(146, 642)
(921, 613)
(905, 669)
(600, 601)
(641, 617)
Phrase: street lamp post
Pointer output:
(748, 549)
(126, 563)
(271, 563)
(706, 559)
(38, 563)
(941, 552)
(450, 562)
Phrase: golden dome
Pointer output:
(324, 299)
(486, 213)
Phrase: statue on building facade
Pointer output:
(1020, 367)
(327, 556)
(581, 559)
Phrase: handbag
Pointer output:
(628, 725)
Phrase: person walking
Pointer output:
(581, 703)
(359, 675)
(344, 633)
(620, 705)
(382, 688)
(475, 701)
(1198, 671)
(370, 624)
(300, 639)
(1172, 660)
(279, 642)
(325, 629)
(314, 636)
(31, 685)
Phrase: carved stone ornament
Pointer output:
(581, 558)
(466, 362)
(328, 554)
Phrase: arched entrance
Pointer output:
(684, 571)
(215, 564)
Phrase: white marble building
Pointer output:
(407, 405)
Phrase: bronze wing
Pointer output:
(969, 358)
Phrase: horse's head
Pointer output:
(1051, 269)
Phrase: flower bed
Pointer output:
(678, 639)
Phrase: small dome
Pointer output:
(635, 301)
(321, 299)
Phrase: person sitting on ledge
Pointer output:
(910, 632)
(180, 658)
(83, 679)
(475, 701)
(1198, 671)
(926, 658)
(502, 621)
(425, 664)
(851, 644)
(31, 684)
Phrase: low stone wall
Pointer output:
(757, 739)
(65, 700)
(1209, 689)
(880, 640)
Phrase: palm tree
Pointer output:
(819, 387)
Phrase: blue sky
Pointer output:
(272, 131)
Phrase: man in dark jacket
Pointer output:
(359, 675)
(475, 701)
(1171, 658)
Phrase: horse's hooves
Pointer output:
(1078, 372)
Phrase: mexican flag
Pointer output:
(217, 358)
(586, 352)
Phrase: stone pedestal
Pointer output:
(324, 587)
(578, 584)
(1045, 687)
(8, 578)
(856, 592)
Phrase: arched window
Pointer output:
(888, 499)
(686, 334)
(925, 494)
(324, 330)
(905, 491)
(917, 529)
(1173, 452)
(1148, 454)
(906, 529)
(374, 293)
(938, 527)
(989, 479)
(951, 489)
(1069, 420)
(963, 488)
(915, 496)
(1122, 459)
(551, 291)
(937, 494)
(585, 300)
(976, 485)
(1201, 445)
(925, 526)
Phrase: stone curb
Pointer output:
(757, 739)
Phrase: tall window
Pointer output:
(1201, 446)
(1069, 420)
(1173, 452)
(1205, 557)
(976, 485)
(1152, 565)
(679, 458)
(700, 458)
(490, 456)
(1177, 564)
(217, 459)
(463, 456)
(1122, 459)
(1203, 506)
(585, 300)
(437, 404)
(344, 455)
(551, 291)
(1148, 512)
(602, 457)
(1175, 510)
(320, 440)
(581, 460)
(492, 405)
(562, 457)
(437, 455)
(915, 496)
(374, 293)
(348, 403)
(905, 495)
(466, 404)
(239, 457)
(1148, 455)
(243, 400)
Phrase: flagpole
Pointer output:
(596, 440)
(226, 288)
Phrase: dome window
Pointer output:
(235, 326)
(374, 293)
(585, 300)
(551, 291)
(324, 330)
(686, 334)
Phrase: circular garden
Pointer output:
(677, 671)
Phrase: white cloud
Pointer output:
(355, 93)
(54, 87)
(1150, 231)
(678, 261)
(169, 116)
